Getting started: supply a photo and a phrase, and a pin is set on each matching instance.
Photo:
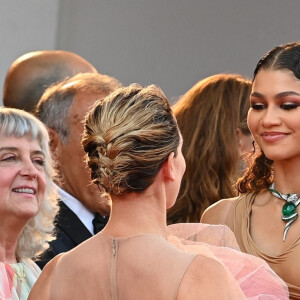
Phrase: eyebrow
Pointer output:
(39, 152)
(279, 95)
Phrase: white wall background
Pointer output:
(172, 43)
(25, 25)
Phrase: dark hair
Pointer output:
(286, 56)
(128, 136)
(260, 174)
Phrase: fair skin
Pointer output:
(22, 188)
(145, 213)
(130, 208)
(128, 217)
(274, 122)
(69, 157)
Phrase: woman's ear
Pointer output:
(168, 167)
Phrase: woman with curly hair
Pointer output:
(264, 217)
(27, 200)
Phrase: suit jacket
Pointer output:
(69, 232)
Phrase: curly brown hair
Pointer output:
(258, 177)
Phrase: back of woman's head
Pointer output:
(208, 116)
(128, 136)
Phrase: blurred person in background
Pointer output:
(32, 73)
(212, 117)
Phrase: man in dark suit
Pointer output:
(62, 109)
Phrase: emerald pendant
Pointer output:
(288, 209)
(289, 212)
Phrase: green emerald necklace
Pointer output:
(289, 213)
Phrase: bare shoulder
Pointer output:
(206, 278)
(41, 289)
(218, 212)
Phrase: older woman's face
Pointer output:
(22, 177)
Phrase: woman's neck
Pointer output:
(8, 250)
(286, 176)
(135, 214)
(10, 231)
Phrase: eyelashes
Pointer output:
(284, 106)
(257, 106)
(39, 162)
(10, 158)
(289, 106)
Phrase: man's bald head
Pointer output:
(32, 73)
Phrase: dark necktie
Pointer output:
(99, 222)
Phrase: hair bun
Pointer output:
(128, 137)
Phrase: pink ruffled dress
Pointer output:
(254, 276)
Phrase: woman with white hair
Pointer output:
(27, 200)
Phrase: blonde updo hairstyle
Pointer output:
(128, 136)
